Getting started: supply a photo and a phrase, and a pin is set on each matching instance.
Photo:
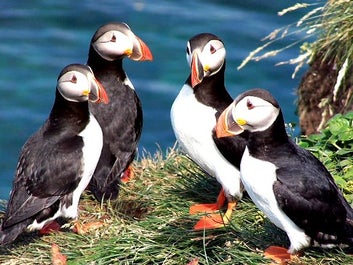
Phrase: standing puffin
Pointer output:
(56, 163)
(121, 119)
(193, 116)
(289, 184)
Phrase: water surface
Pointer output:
(38, 38)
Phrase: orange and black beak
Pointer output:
(197, 71)
(141, 52)
(226, 125)
(98, 93)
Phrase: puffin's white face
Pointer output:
(211, 56)
(254, 113)
(113, 44)
(80, 86)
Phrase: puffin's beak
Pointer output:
(226, 125)
(98, 93)
(143, 54)
(128, 52)
(197, 71)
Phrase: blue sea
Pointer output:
(40, 37)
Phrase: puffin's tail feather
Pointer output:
(8, 235)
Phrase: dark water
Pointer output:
(38, 38)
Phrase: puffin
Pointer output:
(288, 183)
(57, 162)
(193, 115)
(122, 118)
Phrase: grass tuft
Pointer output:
(325, 30)
(150, 224)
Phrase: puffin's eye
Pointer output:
(249, 104)
(74, 79)
(113, 39)
(212, 49)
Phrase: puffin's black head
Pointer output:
(254, 111)
(77, 83)
(259, 93)
(116, 40)
(205, 54)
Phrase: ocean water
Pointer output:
(38, 38)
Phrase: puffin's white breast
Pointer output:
(92, 146)
(193, 123)
(258, 177)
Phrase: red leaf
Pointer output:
(57, 258)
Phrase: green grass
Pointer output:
(150, 223)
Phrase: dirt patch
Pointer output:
(315, 96)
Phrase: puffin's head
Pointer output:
(254, 110)
(77, 83)
(205, 54)
(116, 40)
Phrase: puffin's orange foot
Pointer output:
(204, 208)
(209, 207)
(215, 220)
(128, 174)
(211, 221)
(278, 254)
(82, 229)
(50, 228)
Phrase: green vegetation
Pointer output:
(334, 147)
(325, 33)
(150, 223)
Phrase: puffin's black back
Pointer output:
(121, 121)
(48, 167)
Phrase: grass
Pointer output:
(324, 32)
(150, 224)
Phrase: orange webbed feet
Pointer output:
(209, 207)
(215, 220)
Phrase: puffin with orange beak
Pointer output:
(193, 116)
(289, 184)
(57, 162)
(121, 120)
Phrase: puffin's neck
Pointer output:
(261, 143)
(102, 67)
(66, 114)
(212, 92)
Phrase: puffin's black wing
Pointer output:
(22, 206)
(121, 136)
(306, 192)
(47, 169)
(123, 132)
(54, 169)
